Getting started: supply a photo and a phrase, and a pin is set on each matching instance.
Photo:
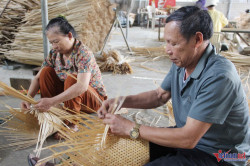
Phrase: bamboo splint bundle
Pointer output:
(12, 18)
(243, 22)
(115, 62)
(30, 127)
(91, 19)
(238, 59)
(150, 51)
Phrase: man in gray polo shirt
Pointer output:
(209, 103)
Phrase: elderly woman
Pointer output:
(68, 55)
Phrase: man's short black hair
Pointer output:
(191, 20)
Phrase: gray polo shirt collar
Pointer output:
(202, 62)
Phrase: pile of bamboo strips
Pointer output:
(115, 62)
(97, 24)
(12, 14)
(150, 51)
(90, 18)
(240, 61)
(243, 22)
(152, 54)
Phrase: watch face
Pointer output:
(134, 134)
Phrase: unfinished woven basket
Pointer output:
(84, 147)
(125, 151)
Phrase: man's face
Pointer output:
(180, 51)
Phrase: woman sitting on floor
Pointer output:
(68, 55)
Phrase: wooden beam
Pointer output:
(235, 30)
(243, 39)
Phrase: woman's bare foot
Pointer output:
(32, 160)
(59, 136)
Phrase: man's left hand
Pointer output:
(118, 124)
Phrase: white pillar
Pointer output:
(44, 9)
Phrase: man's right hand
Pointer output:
(25, 105)
(107, 107)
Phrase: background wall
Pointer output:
(237, 6)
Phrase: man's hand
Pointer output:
(44, 104)
(25, 105)
(107, 107)
(118, 124)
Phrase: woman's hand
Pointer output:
(25, 105)
(44, 104)
(118, 124)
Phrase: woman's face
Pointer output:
(61, 43)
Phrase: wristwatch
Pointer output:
(135, 132)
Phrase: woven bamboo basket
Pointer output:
(137, 151)
(119, 151)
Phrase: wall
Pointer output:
(237, 7)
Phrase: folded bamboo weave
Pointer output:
(31, 127)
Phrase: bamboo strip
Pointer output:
(93, 93)
(114, 111)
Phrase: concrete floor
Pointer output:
(141, 80)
